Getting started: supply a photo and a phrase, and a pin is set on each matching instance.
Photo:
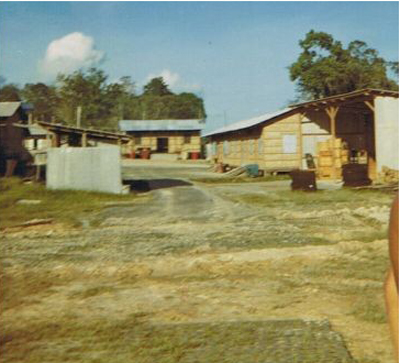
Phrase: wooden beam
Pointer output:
(84, 140)
(301, 116)
(370, 106)
(332, 112)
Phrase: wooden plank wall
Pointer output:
(262, 145)
(176, 141)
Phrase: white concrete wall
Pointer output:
(95, 169)
(387, 132)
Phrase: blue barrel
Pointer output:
(252, 170)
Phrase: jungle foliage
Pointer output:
(326, 68)
(103, 103)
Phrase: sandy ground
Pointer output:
(205, 253)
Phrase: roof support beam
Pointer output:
(301, 117)
(370, 105)
(332, 112)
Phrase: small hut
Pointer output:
(13, 154)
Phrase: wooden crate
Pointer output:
(325, 161)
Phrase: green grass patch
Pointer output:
(64, 206)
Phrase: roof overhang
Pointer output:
(247, 124)
(95, 134)
(161, 125)
(350, 97)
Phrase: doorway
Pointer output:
(162, 144)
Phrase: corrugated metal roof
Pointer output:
(8, 109)
(249, 123)
(161, 125)
(37, 130)
(353, 94)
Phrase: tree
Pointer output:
(326, 68)
(85, 89)
(156, 87)
(119, 98)
(10, 92)
(44, 100)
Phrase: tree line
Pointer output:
(103, 103)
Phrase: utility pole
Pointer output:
(78, 116)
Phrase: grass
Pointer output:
(323, 198)
(65, 206)
(364, 287)
(132, 339)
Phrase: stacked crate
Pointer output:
(332, 155)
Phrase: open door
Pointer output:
(162, 145)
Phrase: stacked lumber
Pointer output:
(332, 155)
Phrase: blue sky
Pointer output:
(233, 54)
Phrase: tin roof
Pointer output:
(249, 123)
(161, 125)
(37, 130)
(367, 92)
(8, 109)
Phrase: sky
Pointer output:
(235, 55)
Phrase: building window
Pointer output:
(187, 139)
(138, 140)
(214, 148)
(260, 146)
(251, 147)
(226, 147)
(289, 144)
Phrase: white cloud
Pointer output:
(170, 78)
(174, 80)
(70, 53)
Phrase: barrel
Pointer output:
(303, 180)
(145, 153)
(252, 170)
(355, 175)
(195, 155)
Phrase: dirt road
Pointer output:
(206, 254)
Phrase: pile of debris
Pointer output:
(389, 176)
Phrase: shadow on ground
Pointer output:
(142, 186)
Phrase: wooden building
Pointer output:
(178, 137)
(270, 140)
(360, 126)
(12, 150)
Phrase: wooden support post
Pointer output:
(56, 140)
(301, 116)
(332, 112)
(84, 140)
(11, 164)
(371, 130)
(78, 116)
